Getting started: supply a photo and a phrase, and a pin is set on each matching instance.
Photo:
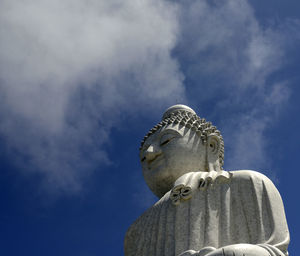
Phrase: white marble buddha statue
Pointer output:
(203, 210)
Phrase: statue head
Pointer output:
(182, 142)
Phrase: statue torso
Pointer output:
(246, 208)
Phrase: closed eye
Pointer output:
(166, 138)
(165, 142)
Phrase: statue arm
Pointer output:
(129, 241)
(240, 250)
(271, 229)
(273, 235)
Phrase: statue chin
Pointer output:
(160, 182)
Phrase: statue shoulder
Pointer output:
(140, 221)
(249, 175)
(254, 179)
(138, 227)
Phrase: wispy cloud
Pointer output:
(247, 132)
(223, 40)
(229, 62)
(67, 70)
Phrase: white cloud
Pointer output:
(230, 57)
(223, 39)
(67, 69)
(246, 133)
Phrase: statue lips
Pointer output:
(153, 163)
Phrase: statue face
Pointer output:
(168, 154)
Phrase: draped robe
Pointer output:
(247, 208)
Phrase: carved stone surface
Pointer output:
(203, 210)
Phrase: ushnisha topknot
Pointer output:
(176, 108)
(185, 116)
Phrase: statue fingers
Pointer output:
(189, 253)
(202, 184)
(206, 250)
(205, 183)
(222, 252)
(209, 182)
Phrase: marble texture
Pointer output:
(245, 209)
(203, 210)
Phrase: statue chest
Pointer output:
(220, 215)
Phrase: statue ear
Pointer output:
(213, 144)
(213, 151)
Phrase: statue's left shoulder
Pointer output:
(247, 175)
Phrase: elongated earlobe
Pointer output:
(213, 151)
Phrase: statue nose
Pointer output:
(152, 152)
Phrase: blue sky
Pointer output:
(81, 83)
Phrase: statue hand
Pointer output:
(204, 251)
(240, 250)
(189, 253)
